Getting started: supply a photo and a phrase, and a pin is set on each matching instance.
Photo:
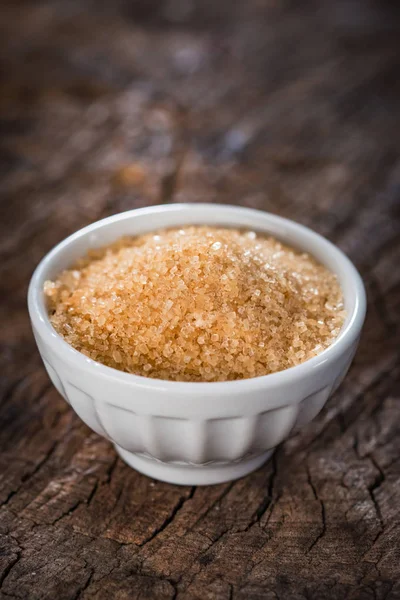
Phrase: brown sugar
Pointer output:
(197, 304)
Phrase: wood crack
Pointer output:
(85, 586)
(69, 512)
(111, 469)
(92, 493)
(25, 478)
(268, 498)
(8, 569)
(323, 514)
(169, 519)
(379, 479)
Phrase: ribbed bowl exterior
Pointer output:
(128, 416)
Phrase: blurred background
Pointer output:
(276, 104)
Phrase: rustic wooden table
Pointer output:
(109, 106)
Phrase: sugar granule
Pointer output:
(197, 304)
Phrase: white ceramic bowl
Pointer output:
(195, 433)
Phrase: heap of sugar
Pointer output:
(197, 304)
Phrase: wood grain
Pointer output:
(282, 106)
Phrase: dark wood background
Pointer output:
(291, 107)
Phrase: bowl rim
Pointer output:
(347, 336)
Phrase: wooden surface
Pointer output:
(106, 106)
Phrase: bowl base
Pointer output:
(186, 474)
